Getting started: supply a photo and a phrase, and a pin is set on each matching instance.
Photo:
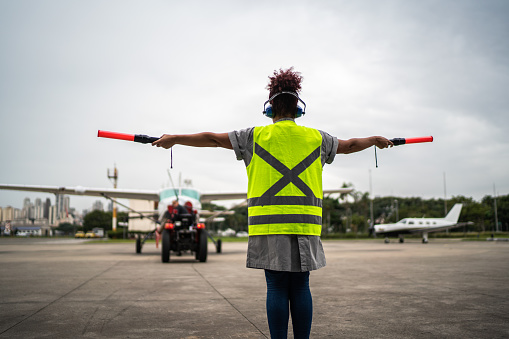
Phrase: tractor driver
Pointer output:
(176, 211)
(172, 214)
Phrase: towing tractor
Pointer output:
(180, 233)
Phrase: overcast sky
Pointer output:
(392, 68)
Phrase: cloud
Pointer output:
(394, 68)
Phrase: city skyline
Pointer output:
(47, 213)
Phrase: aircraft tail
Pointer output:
(454, 213)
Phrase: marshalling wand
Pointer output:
(404, 141)
(145, 139)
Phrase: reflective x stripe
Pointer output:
(289, 176)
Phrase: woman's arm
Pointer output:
(205, 139)
(358, 144)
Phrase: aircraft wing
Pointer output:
(87, 191)
(206, 213)
(208, 197)
(344, 190)
(132, 194)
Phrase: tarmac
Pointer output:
(70, 288)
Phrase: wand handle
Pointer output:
(144, 139)
(404, 141)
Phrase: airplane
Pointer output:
(163, 199)
(420, 225)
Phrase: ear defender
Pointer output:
(267, 109)
(269, 114)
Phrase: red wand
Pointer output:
(145, 139)
(404, 141)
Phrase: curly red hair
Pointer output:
(288, 81)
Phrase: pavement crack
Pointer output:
(228, 301)
(58, 299)
(85, 328)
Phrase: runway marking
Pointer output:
(228, 301)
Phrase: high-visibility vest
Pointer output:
(285, 180)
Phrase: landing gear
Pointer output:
(218, 246)
(387, 240)
(425, 238)
(140, 241)
(138, 244)
(165, 251)
(401, 239)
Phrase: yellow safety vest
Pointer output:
(285, 180)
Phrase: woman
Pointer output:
(284, 164)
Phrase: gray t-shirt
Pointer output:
(283, 252)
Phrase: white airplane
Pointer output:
(421, 225)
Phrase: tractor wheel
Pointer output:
(202, 253)
(197, 252)
(138, 244)
(218, 246)
(165, 254)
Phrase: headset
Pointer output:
(267, 110)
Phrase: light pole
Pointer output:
(114, 179)
(495, 206)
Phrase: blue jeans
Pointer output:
(288, 292)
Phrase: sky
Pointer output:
(394, 68)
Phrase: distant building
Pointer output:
(62, 202)
(26, 202)
(67, 204)
(7, 213)
(40, 216)
(53, 216)
(98, 206)
(26, 210)
(38, 210)
(47, 206)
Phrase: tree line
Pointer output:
(352, 213)
(91, 220)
